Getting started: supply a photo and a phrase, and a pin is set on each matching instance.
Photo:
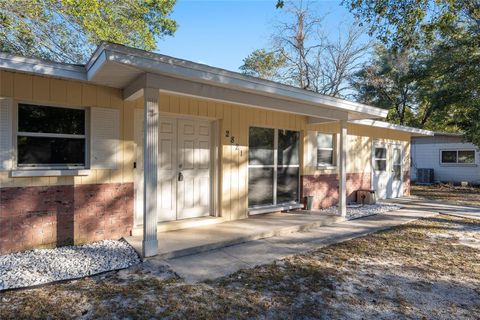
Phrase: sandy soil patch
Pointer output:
(426, 269)
(467, 196)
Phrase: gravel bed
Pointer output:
(358, 210)
(40, 266)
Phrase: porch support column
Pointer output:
(342, 170)
(150, 164)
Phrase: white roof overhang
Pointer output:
(132, 70)
(396, 127)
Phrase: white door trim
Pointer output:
(389, 146)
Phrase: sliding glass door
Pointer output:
(273, 167)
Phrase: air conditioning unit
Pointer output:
(425, 176)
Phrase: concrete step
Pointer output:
(180, 224)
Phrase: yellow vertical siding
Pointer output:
(360, 144)
(43, 90)
(233, 166)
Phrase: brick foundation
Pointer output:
(32, 217)
(324, 187)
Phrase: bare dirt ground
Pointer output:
(428, 269)
(468, 196)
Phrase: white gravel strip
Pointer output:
(358, 210)
(29, 268)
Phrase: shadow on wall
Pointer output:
(324, 187)
(33, 217)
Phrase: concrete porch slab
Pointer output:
(194, 240)
(224, 261)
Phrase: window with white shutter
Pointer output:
(105, 134)
(51, 137)
(6, 152)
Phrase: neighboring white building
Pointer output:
(451, 159)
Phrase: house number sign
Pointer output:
(232, 141)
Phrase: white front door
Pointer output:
(184, 168)
(387, 170)
(167, 169)
(193, 177)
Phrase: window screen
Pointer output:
(449, 156)
(325, 149)
(50, 136)
(380, 159)
(260, 148)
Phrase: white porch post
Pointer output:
(342, 172)
(150, 164)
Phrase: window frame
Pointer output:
(275, 166)
(333, 149)
(456, 163)
(375, 158)
(399, 164)
(56, 168)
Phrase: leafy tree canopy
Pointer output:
(263, 64)
(442, 38)
(69, 30)
(404, 22)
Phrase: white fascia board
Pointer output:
(228, 95)
(391, 126)
(448, 134)
(42, 67)
(95, 65)
(161, 64)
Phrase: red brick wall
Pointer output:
(32, 217)
(324, 187)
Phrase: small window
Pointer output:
(325, 149)
(51, 137)
(466, 156)
(380, 159)
(397, 164)
(457, 156)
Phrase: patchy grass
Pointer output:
(426, 269)
(469, 196)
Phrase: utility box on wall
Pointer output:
(366, 197)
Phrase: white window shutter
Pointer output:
(105, 134)
(6, 147)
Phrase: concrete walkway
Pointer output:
(438, 206)
(223, 261)
(178, 243)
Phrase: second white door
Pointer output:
(387, 170)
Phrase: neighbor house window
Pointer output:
(325, 149)
(51, 137)
(457, 156)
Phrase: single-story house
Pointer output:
(135, 139)
(451, 158)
